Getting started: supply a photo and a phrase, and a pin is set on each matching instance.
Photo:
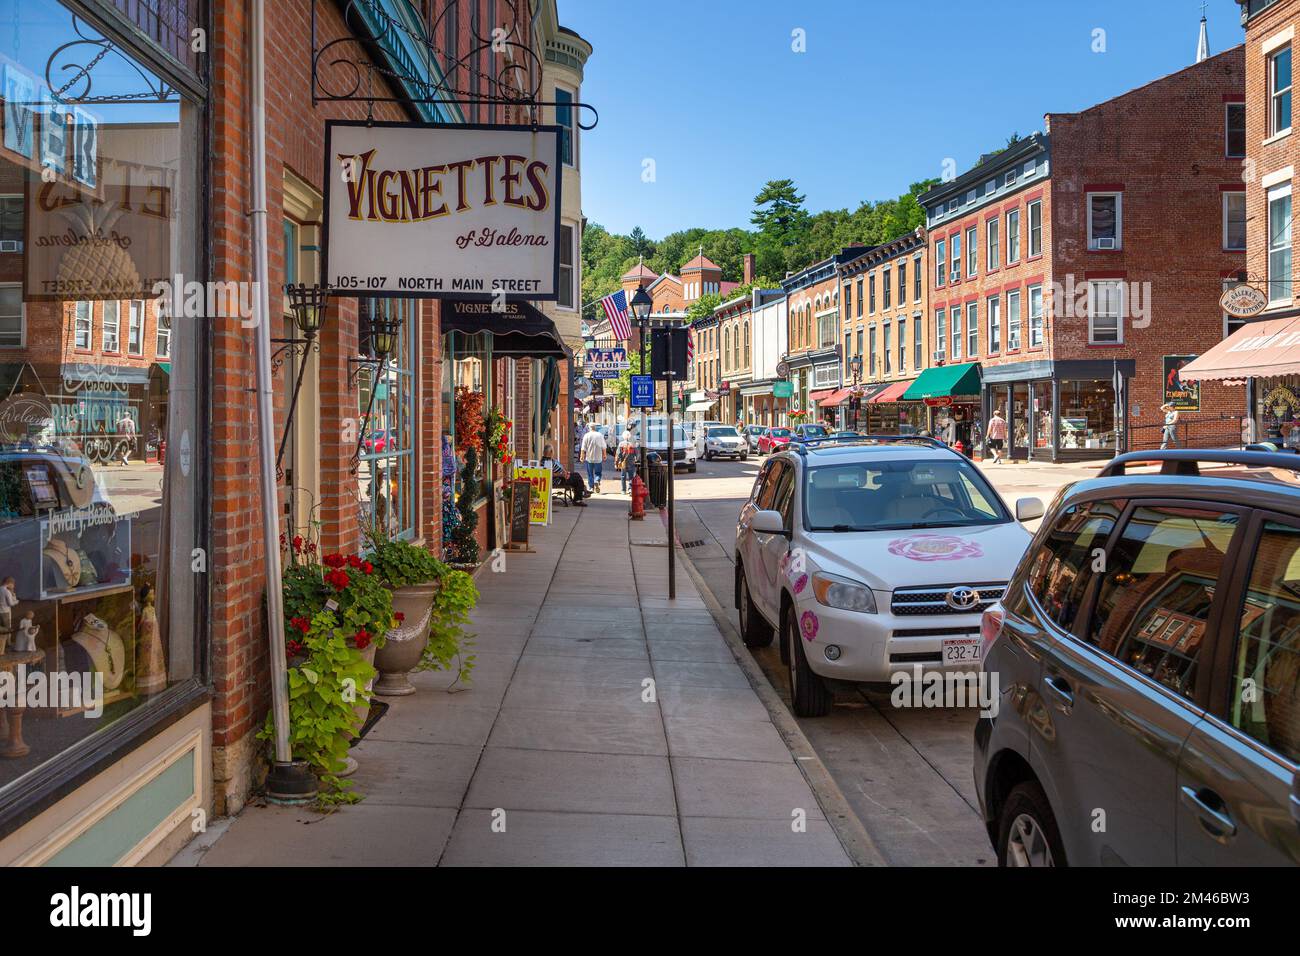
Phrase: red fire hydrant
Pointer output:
(639, 494)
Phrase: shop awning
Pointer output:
(835, 398)
(701, 406)
(893, 392)
(1256, 350)
(519, 330)
(944, 381)
(815, 397)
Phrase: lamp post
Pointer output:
(855, 367)
(308, 304)
(641, 305)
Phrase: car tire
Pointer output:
(708, 456)
(691, 468)
(754, 631)
(745, 457)
(1027, 830)
(809, 695)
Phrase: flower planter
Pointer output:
(362, 710)
(405, 643)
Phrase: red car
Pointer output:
(774, 440)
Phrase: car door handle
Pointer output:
(1060, 689)
(1215, 822)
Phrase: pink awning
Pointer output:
(1256, 350)
(835, 398)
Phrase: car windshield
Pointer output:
(818, 430)
(726, 432)
(780, 432)
(658, 435)
(898, 494)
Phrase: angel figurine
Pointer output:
(27, 631)
(8, 601)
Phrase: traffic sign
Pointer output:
(643, 391)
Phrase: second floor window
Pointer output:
(902, 345)
(972, 251)
(1035, 210)
(993, 251)
(1279, 243)
(972, 329)
(940, 262)
(871, 351)
(1234, 133)
(1013, 236)
(941, 332)
(164, 337)
(112, 326)
(918, 359)
(1234, 220)
(1013, 319)
(1105, 220)
(1105, 313)
(1035, 316)
(564, 119)
(84, 323)
(567, 271)
(956, 257)
(955, 316)
(135, 328)
(994, 308)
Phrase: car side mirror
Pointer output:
(1027, 509)
(768, 522)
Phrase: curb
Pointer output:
(853, 836)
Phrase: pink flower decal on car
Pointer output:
(808, 624)
(800, 583)
(935, 547)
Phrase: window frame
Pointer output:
(1275, 94)
(1276, 193)
(22, 317)
(972, 329)
(1036, 323)
(940, 262)
(955, 330)
(1035, 233)
(1118, 196)
(1013, 295)
(1233, 194)
(76, 325)
(572, 268)
(993, 247)
(135, 333)
(1013, 237)
(1227, 130)
(1118, 284)
(117, 327)
(995, 326)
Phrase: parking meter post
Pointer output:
(672, 470)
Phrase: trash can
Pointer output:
(658, 483)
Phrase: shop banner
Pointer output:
(1185, 396)
(539, 511)
(783, 389)
(607, 363)
(430, 210)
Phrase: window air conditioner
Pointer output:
(939, 356)
(1105, 243)
(11, 245)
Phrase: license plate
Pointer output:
(961, 650)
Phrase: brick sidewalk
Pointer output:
(555, 733)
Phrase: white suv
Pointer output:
(872, 557)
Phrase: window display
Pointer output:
(99, 450)
(1087, 414)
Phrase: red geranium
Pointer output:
(338, 579)
(367, 567)
(399, 616)
(297, 543)
(293, 648)
(362, 639)
(301, 623)
(354, 561)
(333, 560)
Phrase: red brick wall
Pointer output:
(1164, 145)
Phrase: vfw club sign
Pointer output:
(440, 211)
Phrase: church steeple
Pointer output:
(1203, 41)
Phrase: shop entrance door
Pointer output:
(1019, 423)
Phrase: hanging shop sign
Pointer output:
(1243, 301)
(431, 210)
(783, 389)
(606, 363)
(1183, 395)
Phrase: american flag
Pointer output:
(690, 345)
(615, 305)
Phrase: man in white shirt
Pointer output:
(592, 453)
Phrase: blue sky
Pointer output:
(712, 92)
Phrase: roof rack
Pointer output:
(802, 446)
(1187, 461)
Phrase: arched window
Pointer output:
(726, 346)
(746, 344)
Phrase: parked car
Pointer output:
(376, 443)
(697, 430)
(656, 440)
(751, 434)
(1147, 650)
(723, 441)
(868, 559)
(773, 439)
(846, 435)
(808, 431)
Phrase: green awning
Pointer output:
(944, 381)
(165, 366)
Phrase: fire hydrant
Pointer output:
(639, 494)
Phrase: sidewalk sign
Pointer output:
(539, 477)
(520, 497)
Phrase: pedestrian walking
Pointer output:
(592, 453)
(126, 442)
(1170, 434)
(625, 459)
(997, 435)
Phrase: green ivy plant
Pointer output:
(326, 685)
(449, 640)
(401, 564)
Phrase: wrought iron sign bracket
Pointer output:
(295, 347)
(345, 69)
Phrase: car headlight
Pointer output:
(842, 593)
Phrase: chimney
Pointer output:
(749, 269)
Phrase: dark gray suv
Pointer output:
(1147, 654)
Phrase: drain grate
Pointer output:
(692, 544)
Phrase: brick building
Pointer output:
(1066, 266)
(812, 346)
(886, 337)
(129, 455)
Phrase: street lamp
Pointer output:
(641, 305)
(308, 304)
(855, 367)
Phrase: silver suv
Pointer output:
(1147, 652)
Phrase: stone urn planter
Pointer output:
(405, 643)
(362, 710)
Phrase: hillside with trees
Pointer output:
(785, 238)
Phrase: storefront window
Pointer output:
(101, 460)
(386, 473)
(1042, 414)
(1277, 410)
(1087, 414)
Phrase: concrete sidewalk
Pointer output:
(557, 739)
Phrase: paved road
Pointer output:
(907, 773)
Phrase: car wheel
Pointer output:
(745, 457)
(691, 468)
(708, 456)
(1027, 831)
(754, 631)
(809, 696)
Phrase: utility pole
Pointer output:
(672, 471)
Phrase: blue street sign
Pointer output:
(643, 391)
